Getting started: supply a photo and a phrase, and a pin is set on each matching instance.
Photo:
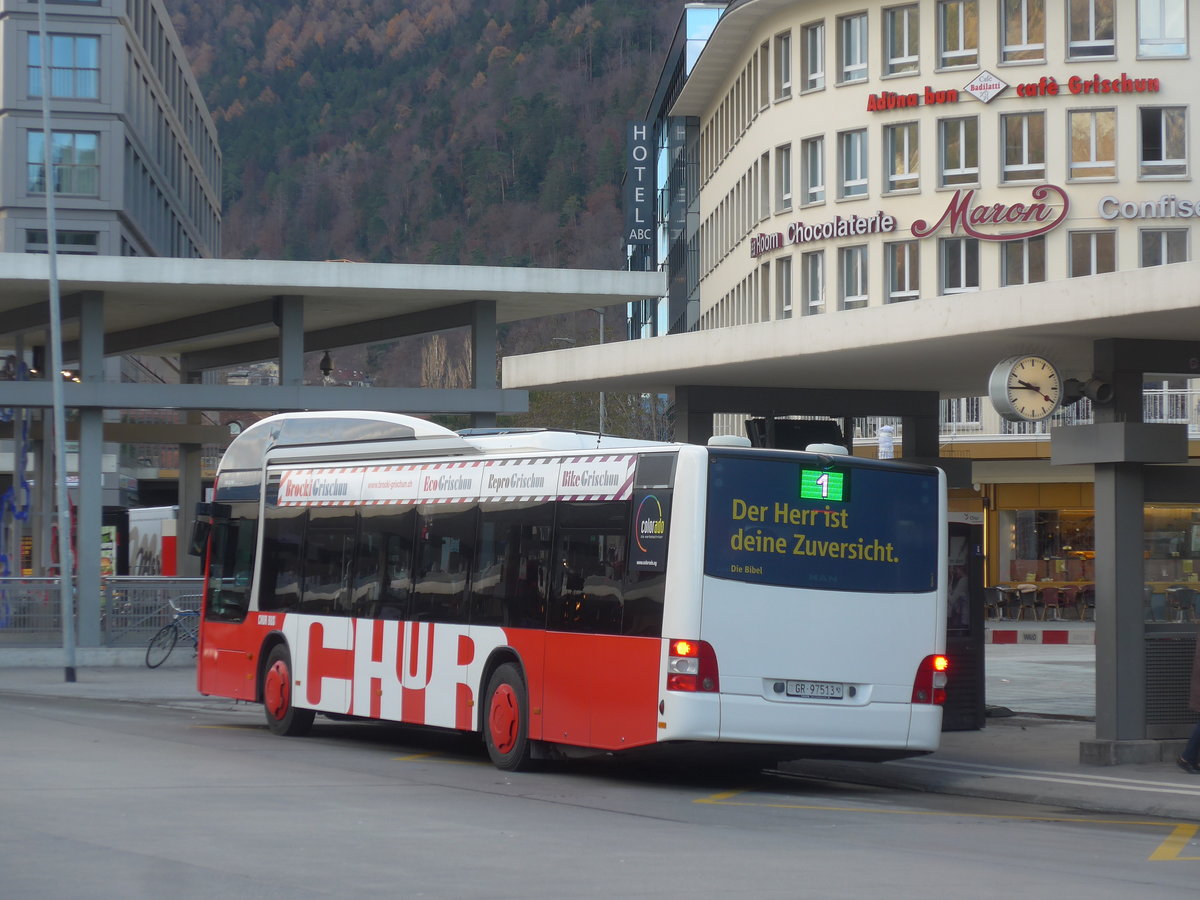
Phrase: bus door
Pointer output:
(228, 649)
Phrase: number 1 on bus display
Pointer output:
(825, 484)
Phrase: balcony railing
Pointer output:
(973, 419)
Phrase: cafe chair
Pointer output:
(993, 603)
(1181, 604)
(1050, 599)
(1087, 601)
(1028, 594)
(1068, 598)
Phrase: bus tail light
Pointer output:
(692, 667)
(930, 683)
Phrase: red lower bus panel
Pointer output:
(601, 690)
(229, 664)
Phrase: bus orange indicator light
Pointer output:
(684, 648)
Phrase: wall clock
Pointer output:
(1025, 388)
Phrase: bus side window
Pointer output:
(513, 554)
(328, 555)
(383, 567)
(445, 549)
(281, 584)
(586, 587)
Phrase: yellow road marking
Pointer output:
(438, 757)
(1168, 850)
(1177, 840)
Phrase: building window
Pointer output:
(1024, 31)
(853, 271)
(1090, 31)
(74, 66)
(1163, 149)
(960, 265)
(783, 287)
(900, 145)
(962, 411)
(812, 170)
(75, 159)
(901, 40)
(1093, 143)
(958, 33)
(1093, 252)
(74, 243)
(1162, 28)
(852, 48)
(853, 157)
(812, 266)
(960, 151)
(813, 53)
(903, 271)
(1024, 146)
(783, 65)
(763, 63)
(783, 178)
(1024, 261)
(1161, 246)
(764, 186)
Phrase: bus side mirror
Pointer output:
(199, 541)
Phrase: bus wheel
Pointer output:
(282, 716)
(506, 728)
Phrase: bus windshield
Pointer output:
(815, 523)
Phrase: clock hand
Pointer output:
(1033, 387)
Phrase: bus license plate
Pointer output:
(816, 690)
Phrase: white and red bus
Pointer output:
(563, 593)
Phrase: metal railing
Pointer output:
(131, 609)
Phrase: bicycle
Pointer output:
(185, 623)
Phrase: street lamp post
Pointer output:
(600, 311)
(65, 580)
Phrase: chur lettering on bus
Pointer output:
(417, 672)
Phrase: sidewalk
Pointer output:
(1030, 756)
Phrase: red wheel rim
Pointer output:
(277, 695)
(504, 718)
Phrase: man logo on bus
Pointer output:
(651, 525)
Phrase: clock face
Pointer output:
(1025, 388)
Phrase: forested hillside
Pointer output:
(434, 131)
(425, 131)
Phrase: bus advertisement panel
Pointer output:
(816, 524)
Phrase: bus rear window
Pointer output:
(840, 526)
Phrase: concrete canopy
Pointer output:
(197, 305)
(948, 344)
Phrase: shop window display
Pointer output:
(1056, 548)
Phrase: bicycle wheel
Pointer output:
(161, 645)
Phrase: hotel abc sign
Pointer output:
(962, 215)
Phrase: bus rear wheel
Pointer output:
(506, 726)
(282, 716)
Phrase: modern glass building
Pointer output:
(133, 152)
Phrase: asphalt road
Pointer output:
(104, 799)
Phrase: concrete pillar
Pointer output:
(1120, 620)
(190, 487)
(289, 316)
(90, 493)
(691, 427)
(43, 499)
(483, 356)
(88, 522)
